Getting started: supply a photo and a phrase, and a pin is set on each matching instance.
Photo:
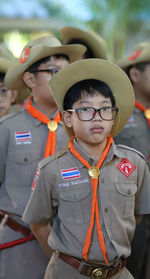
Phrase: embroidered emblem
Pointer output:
(134, 55)
(70, 173)
(35, 179)
(24, 55)
(126, 167)
(23, 137)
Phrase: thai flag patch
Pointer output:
(72, 173)
(23, 137)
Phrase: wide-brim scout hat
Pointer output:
(140, 53)
(5, 64)
(33, 52)
(5, 52)
(102, 70)
(94, 41)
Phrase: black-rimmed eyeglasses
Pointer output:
(88, 113)
(51, 71)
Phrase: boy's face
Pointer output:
(7, 97)
(141, 81)
(95, 131)
(39, 82)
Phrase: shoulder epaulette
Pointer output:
(8, 116)
(49, 159)
(45, 161)
(62, 152)
(131, 149)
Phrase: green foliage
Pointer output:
(119, 22)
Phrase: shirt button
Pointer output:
(25, 159)
(129, 192)
(106, 209)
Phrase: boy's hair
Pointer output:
(88, 53)
(35, 66)
(87, 87)
(140, 66)
(2, 76)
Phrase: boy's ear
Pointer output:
(29, 79)
(134, 73)
(67, 118)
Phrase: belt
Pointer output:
(14, 225)
(95, 271)
(28, 236)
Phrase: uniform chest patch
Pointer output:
(126, 167)
(23, 137)
(72, 173)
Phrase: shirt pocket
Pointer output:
(75, 205)
(124, 199)
(22, 164)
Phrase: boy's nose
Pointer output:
(97, 116)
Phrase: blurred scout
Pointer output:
(95, 44)
(7, 96)
(25, 138)
(136, 134)
(93, 190)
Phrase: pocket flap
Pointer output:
(126, 189)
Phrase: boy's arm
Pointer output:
(138, 218)
(41, 232)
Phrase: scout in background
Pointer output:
(7, 96)
(25, 138)
(94, 190)
(95, 44)
(137, 135)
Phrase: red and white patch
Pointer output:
(35, 179)
(134, 55)
(126, 167)
(24, 55)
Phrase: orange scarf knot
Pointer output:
(51, 124)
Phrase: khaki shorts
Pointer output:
(58, 269)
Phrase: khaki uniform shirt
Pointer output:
(123, 191)
(136, 134)
(19, 158)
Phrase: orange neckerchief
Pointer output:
(94, 207)
(145, 110)
(51, 124)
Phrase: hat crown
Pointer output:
(48, 41)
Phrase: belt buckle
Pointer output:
(89, 268)
(99, 273)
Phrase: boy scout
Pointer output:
(7, 96)
(137, 134)
(25, 138)
(95, 44)
(18, 98)
(94, 190)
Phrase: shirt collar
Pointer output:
(113, 151)
(38, 122)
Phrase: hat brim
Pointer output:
(101, 70)
(14, 79)
(93, 40)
